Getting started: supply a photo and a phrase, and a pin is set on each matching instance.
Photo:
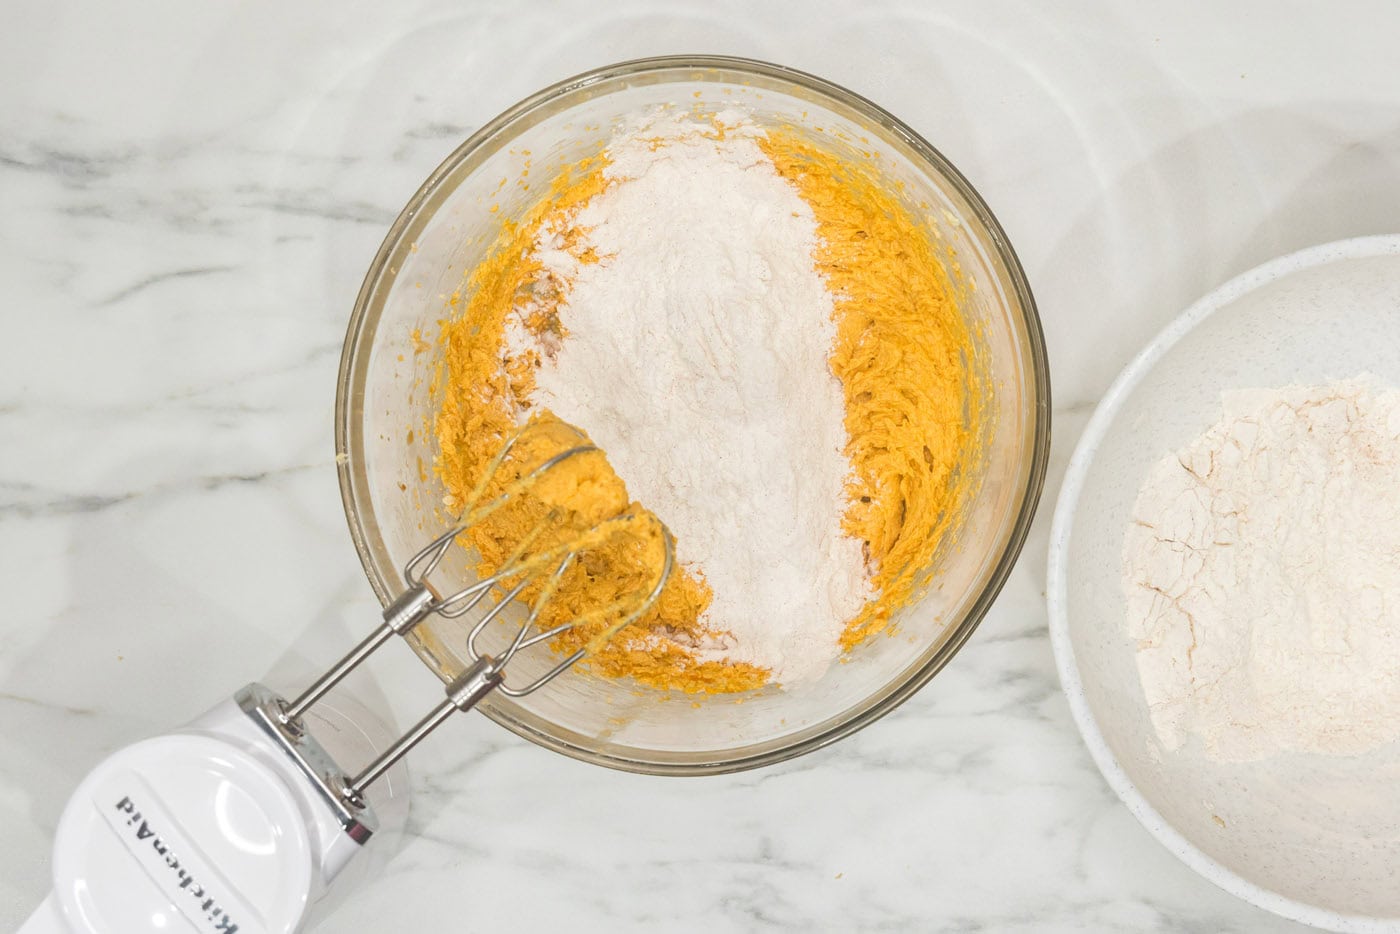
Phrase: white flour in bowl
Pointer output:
(696, 355)
(1262, 575)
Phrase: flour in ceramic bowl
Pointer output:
(696, 337)
(1262, 576)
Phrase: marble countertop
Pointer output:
(191, 193)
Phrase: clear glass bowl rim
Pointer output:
(358, 343)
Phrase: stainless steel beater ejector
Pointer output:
(282, 719)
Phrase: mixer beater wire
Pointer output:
(525, 565)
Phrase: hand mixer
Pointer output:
(238, 821)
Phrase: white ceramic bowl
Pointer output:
(1313, 838)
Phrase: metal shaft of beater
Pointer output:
(462, 694)
(401, 748)
(399, 617)
(338, 671)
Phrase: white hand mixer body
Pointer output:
(238, 822)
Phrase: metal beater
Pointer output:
(238, 822)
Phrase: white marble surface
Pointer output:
(189, 194)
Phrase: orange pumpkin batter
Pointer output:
(906, 358)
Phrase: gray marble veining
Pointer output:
(191, 195)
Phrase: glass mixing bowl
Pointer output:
(384, 406)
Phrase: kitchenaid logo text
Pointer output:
(182, 878)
